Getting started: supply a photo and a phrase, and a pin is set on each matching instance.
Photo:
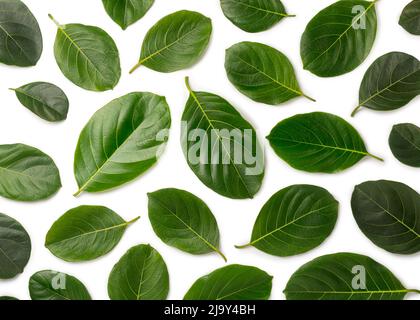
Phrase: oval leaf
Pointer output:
(295, 220)
(175, 42)
(221, 147)
(234, 282)
(405, 143)
(339, 38)
(318, 142)
(121, 141)
(182, 220)
(141, 274)
(262, 73)
(410, 17)
(127, 12)
(85, 233)
(15, 247)
(388, 212)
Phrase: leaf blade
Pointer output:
(127, 12)
(404, 142)
(410, 18)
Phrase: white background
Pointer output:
(235, 217)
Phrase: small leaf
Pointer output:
(234, 282)
(182, 220)
(44, 99)
(127, 12)
(410, 17)
(85, 233)
(405, 143)
(141, 274)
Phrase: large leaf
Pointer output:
(54, 285)
(221, 147)
(141, 274)
(15, 247)
(184, 221)
(234, 282)
(254, 15)
(44, 99)
(127, 12)
(339, 38)
(388, 213)
(344, 276)
(20, 36)
(26, 173)
(262, 73)
(391, 82)
(404, 141)
(294, 220)
(87, 56)
(121, 141)
(318, 142)
(410, 17)
(175, 42)
(85, 233)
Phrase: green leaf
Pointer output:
(20, 36)
(388, 212)
(4, 298)
(175, 42)
(184, 221)
(221, 147)
(405, 143)
(87, 56)
(85, 233)
(141, 274)
(15, 247)
(339, 38)
(344, 276)
(44, 99)
(54, 285)
(234, 282)
(254, 15)
(121, 141)
(26, 173)
(294, 220)
(410, 17)
(391, 82)
(127, 12)
(262, 73)
(318, 142)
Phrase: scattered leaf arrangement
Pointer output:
(123, 140)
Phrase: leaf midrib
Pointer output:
(38, 100)
(240, 290)
(14, 40)
(261, 9)
(408, 140)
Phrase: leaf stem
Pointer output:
(187, 84)
(138, 65)
(375, 157)
(134, 220)
(55, 21)
(289, 15)
(78, 192)
(356, 110)
(243, 246)
(413, 291)
(308, 97)
(221, 254)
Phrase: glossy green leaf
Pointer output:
(127, 12)
(26, 173)
(184, 221)
(410, 17)
(254, 15)
(221, 147)
(262, 73)
(15, 247)
(294, 220)
(85, 233)
(234, 282)
(121, 141)
(344, 276)
(44, 99)
(391, 82)
(318, 142)
(4, 298)
(404, 142)
(175, 42)
(339, 38)
(20, 36)
(54, 285)
(87, 56)
(141, 274)
(388, 213)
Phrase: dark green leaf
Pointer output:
(175, 42)
(295, 220)
(410, 17)
(221, 147)
(121, 141)
(141, 274)
(26, 173)
(339, 38)
(318, 142)
(234, 282)
(4, 298)
(127, 12)
(182, 220)
(388, 213)
(85, 233)
(262, 73)
(405, 143)
(15, 247)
